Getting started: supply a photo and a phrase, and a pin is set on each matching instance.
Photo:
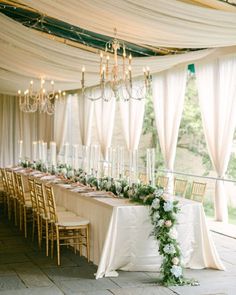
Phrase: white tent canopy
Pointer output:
(28, 54)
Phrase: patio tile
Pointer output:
(11, 282)
(72, 287)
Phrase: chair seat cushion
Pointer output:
(65, 213)
(60, 208)
(72, 221)
(28, 203)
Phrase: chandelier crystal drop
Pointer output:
(41, 100)
(115, 78)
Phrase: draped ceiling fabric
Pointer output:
(217, 96)
(168, 100)
(27, 54)
(156, 23)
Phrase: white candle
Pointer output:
(151, 166)
(34, 150)
(109, 168)
(120, 161)
(44, 152)
(75, 156)
(20, 149)
(85, 150)
(133, 166)
(113, 163)
(53, 153)
(40, 149)
(66, 153)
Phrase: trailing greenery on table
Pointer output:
(162, 210)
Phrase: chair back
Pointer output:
(180, 187)
(42, 205)
(162, 181)
(10, 183)
(33, 195)
(198, 191)
(4, 180)
(20, 188)
(143, 178)
(51, 203)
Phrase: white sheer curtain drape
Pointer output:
(217, 96)
(104, 117)
(86, 112)
(168, 100)
(9, 130)
(132, 113)
(60, 123)
(16, 125)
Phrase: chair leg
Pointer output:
(20, 216)
(39, 232)
(87, 243)
(9, 207)
(58, 247)
(46, 234)
(52, 239)
(25, 222)
(15, 211)
(33, 226)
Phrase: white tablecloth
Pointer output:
(120, 233)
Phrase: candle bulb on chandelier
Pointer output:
(52, 84)
(130, 76)
(124, 57)
(82, 81)
(103, 74)
(31, 86)
(148, 72)
(130, 59)
(107, 67)
(101, 61)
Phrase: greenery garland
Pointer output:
(163, 213)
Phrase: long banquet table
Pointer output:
(120, 232)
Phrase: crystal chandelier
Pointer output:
(42, 100)
(116, 78)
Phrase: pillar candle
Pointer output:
(75, 156)
(53, 153)
(66, 153)
(20, 149)
(34, 150)
(44, 152)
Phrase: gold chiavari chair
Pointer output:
(66, 229)
(11, 197)
(162, 181)
(180, 187)
(143, 178)
(4, 188)
(35, 210)
(198, 191)
(43, 212)
(25, 203)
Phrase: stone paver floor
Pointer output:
(26, 271)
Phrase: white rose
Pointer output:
(173, 234)
(175, 260)
(168, 223)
